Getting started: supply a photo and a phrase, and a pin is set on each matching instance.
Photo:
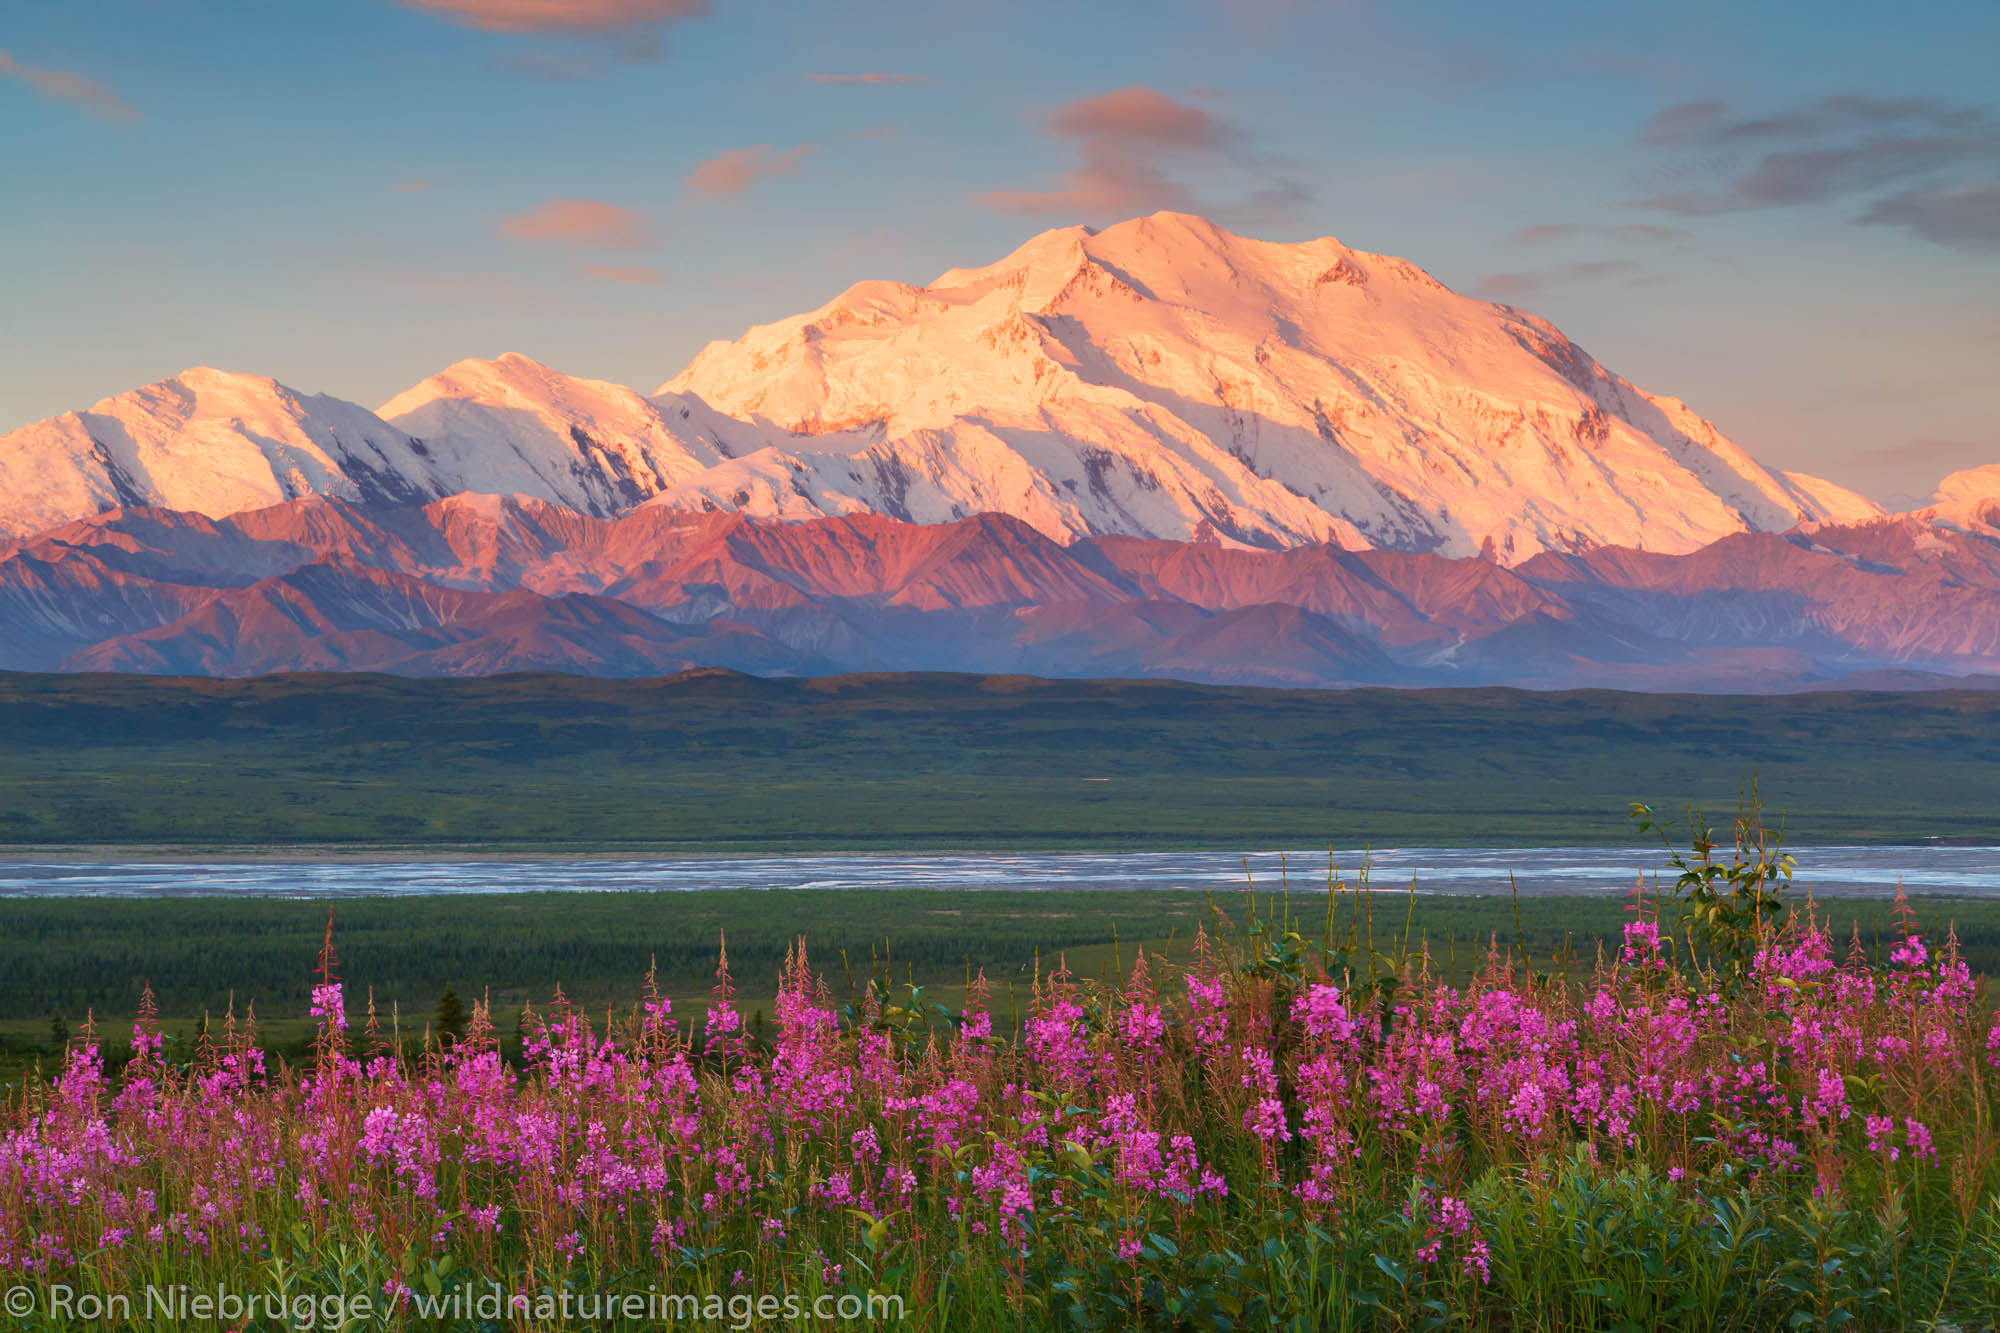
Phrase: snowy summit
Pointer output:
(1162, 377)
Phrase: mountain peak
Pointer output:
(1162, 377)
(1167, 377)
(210, 376)
(1164, 227)
(198, 382)
(512, 424)
(1970, 485)
(510, 372)
(1970, 498)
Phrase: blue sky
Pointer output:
(1787, 215)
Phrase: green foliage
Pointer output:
(1730, 906)
(1589, 1238)
(451, 1017)
(717, 760)
(78, 955)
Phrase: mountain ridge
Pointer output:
(1159, 378)
(474, 584)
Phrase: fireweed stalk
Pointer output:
(1279, 1133)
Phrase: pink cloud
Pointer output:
(66, 87)
(1125, 141)
(1544, 232)
(1106, 184)
(878, 80)
(578, 222)
(1512, 286)
(412, 186)
(1139, 115)
(638, 275)
(558, 15)
(1645, 232)
(738, 169)
(1945, 453)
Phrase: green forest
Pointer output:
(714, 760)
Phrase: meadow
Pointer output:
(1311, 1104)
(719, 761)
(1724, 1107)
(62, 960)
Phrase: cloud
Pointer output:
(559, 16)
(1646, 232)
(1712, 121)
(1514, 286)
(877, 80)
(1125, 141)
(1964, 217)
(412, 186)
(1105, 185)
(1542, 233)
(1817, 175)
(579, 222)
(1139, 117)
(1933, 452)
(738, 169)
(66, 87)
(1915, 162)
(638, 275)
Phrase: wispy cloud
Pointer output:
(585, 222)
(1928, 166)
(1965, 217)
(738, 169)
(1140, 117)
(1629, 232)
(638, 275)
(1517, 286)
(66, 87)
(559, 16)
(876, 80)
(1712, 121)
(412, 186)
(1125, 142)
(1928, 452)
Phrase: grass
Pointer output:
(719, 761)
(203, 956)
(1306, 1123)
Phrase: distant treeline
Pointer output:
(74, 955)
(720, 760)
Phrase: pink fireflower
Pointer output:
(1910, 953)
(1320, 1012)
(327, 1007)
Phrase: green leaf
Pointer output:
(1393, 1269)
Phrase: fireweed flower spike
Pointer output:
(1135, 1134)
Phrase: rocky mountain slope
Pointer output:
(477, 584)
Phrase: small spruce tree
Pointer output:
(451, 1017)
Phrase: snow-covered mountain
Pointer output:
(514, 426)
(215, 443)
(1161, 378)
(1166, 378)
(1969, 499)
(207, 441)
